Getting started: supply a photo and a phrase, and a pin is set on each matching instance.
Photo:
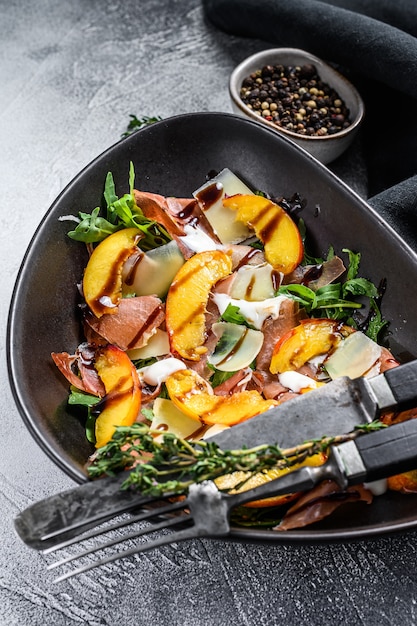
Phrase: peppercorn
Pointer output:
(295, 98)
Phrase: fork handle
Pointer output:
(302, 479)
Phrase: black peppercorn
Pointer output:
(295, 98)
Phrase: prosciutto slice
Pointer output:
(173, 213)
(130, 327)
(154, 206)
(320, 502)
(273, 330)
(78, 369)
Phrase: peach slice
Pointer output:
(102, 281)
(273, 226)
(121, 404)
(190, 395)
(231, 482)
(310, 338)
(406, 482)
(183, 384)
(187, 299)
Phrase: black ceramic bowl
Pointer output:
(173, 157)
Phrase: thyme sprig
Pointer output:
(169, 464)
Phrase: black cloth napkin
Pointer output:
(374, 44)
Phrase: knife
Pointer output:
(364, 459)
(368, 457)
(334, 409)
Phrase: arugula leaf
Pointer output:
(120, 213)
(327, 299)
(354, 261)
(231, 314)
(308, 258)
(375, 322)
(334, 300)
(360, 287)
(148, 413)
(92, 228)
(140, 363)
(81, 397)
(218, 376)
(90, 426)
(109, 191)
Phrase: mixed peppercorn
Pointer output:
(296, 99)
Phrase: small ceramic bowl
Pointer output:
(325, 148)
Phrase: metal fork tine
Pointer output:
(114, 542)
(182, 535)
(208, 516)
(96, 532)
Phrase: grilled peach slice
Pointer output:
(406, 482)
(102, 281)
(120, 406)
(194, 396)
(233, 482)
(183, 384)
(187, 299)
(310, 338)
(273, 226)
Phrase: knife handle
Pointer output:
(403, 383)
(389, 451)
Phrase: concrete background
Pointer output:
(71, 73)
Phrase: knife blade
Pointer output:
(330, 410)
(334, 409)
(366, 458)
(71, 512)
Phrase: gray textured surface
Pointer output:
(70, 75)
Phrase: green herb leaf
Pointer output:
(92, 228)
(232, 314)
(173, 464)
(354, 261)
(218, 376)
(120, 213)
(360, 287)
(148, 413)
(375, 323)
(334, 300)
(87, 400)
(81, 397)
(109, 190)
(136, 123)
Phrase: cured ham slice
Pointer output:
(320, 502)
(154, 207)
(131, 326)
(173, 213)
(236, 383)
(79, 371)
(273, 330)
(316, 276)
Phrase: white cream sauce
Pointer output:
(254, 312)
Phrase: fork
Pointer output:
(203, 512)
